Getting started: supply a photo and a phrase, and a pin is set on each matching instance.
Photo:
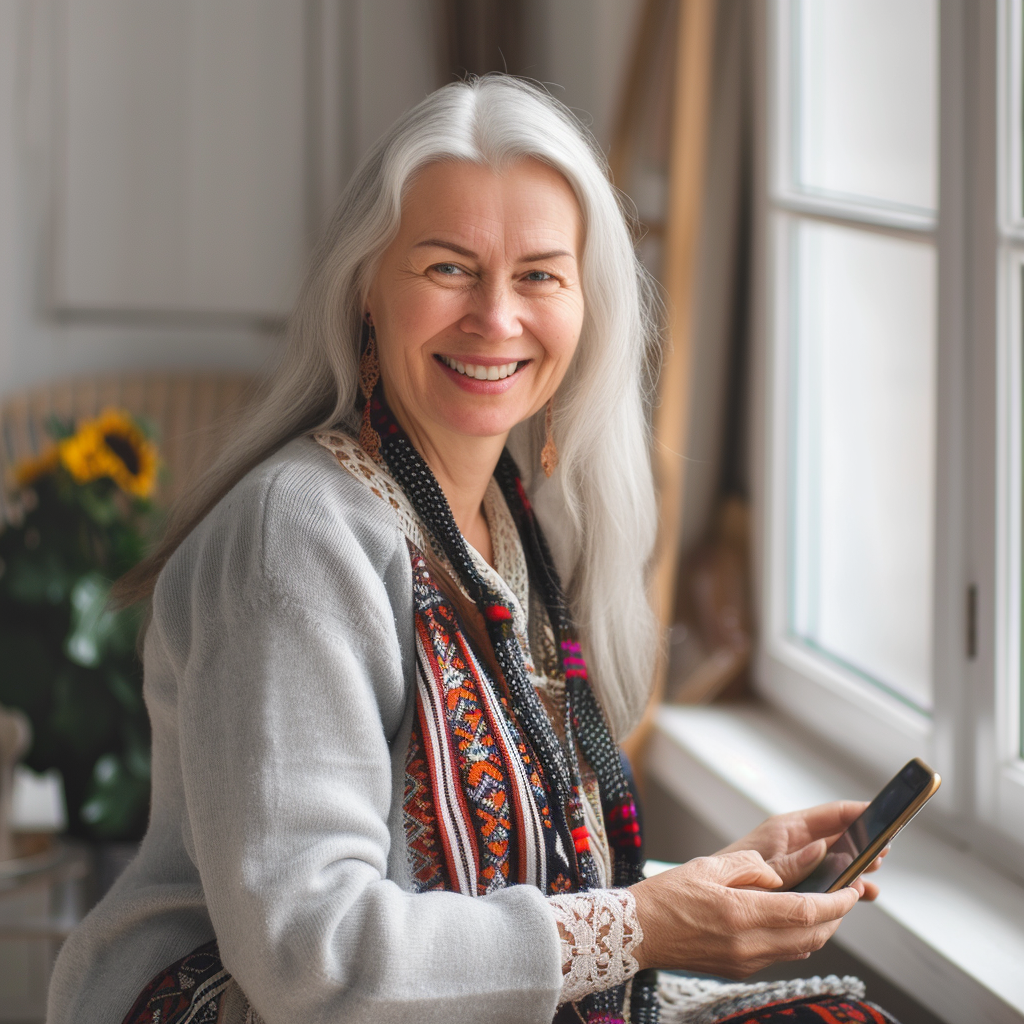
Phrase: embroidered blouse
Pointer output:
(598, 929)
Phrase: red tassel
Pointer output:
(581, 839)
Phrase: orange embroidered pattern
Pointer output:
(464, 733)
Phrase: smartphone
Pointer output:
(913, 786)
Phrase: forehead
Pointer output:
(527, 202)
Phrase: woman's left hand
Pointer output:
(793, 844)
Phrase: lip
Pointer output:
(481, 387)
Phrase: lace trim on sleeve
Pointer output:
(599, 930)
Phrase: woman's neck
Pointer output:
(463, 467)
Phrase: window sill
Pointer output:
(947, 929)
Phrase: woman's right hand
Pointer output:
(702, 916)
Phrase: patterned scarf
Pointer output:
(493, 796)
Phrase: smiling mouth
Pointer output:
(477, 372)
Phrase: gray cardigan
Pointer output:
(279, 678)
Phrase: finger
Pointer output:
(808, 910)
(743, 868)
(831, 819)
(792, 867)
(791, 944)
(865, 889)
(815, 938)
(846, 900)
(870, 891)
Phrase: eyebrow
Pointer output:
(533, 257)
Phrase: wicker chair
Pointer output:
(189, 411)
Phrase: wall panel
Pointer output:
(183, 180)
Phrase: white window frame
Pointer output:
(871, 725)
(1000, 769)
(998, 367)
(972, 733)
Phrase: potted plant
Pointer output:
(81, 514)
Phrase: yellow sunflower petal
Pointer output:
(27, 471)
(112, 446)
(81, 454)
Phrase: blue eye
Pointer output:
(538, 275)
(448, 269)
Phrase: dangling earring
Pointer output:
(549, 453)
(369, 374)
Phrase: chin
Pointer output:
(481, 426)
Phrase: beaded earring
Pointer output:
(549, 453)
(369, 374)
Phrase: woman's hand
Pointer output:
(702, 916)
(793, 844)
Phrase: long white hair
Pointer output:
(599, 508)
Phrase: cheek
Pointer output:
(561, 331)
(418, 312)
(409, 320)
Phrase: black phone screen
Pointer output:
(897, 796)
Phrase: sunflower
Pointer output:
(112, 446)
(29, 470)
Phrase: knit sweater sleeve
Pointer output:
(282, 632)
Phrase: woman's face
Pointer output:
(477, 303)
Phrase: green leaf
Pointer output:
(125, 691)
(117, 798)
(100, 634)
(60, 427)
(147, 426)
(37, 577)
(84, 716)
(98, 502)
(138, 761)
(27, 665)
(94, 627)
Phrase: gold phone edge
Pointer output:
(851, 873)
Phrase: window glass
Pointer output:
(866, 100)
(862, 444)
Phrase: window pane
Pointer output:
(866, 100)
(863, 422)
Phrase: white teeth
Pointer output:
(481, 372)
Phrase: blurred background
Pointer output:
(165, 169)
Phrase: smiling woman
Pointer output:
(477, 309)
(386, 785)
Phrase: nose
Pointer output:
(494, 313)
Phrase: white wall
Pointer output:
(87, 265)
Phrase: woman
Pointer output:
(385, 782)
